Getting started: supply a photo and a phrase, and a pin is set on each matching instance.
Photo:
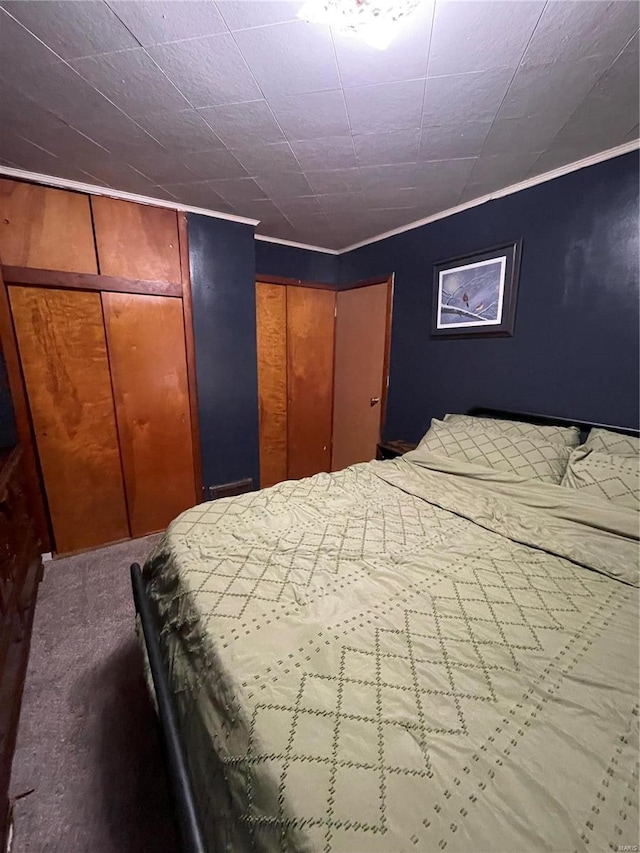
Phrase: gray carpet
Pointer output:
(88, 741)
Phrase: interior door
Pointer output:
(147, 354)
(310, 339)
(271, 334)
(64, 360)
(360, 373)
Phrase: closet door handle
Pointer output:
(374, 401)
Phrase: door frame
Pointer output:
(31, 277)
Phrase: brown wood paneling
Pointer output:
(146, 342)
(359, 379)
(22, 415)
(271, 333)
(64, 359)
(136, 240)
(45, 228)
(190, 345)
(310, 339)
(88, 281)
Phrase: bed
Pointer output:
(425, 653)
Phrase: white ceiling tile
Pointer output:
(389, 199)
(333, 152)
(17, 44)
(31, 157)
(163, 21)
(218, 163)
(161, 167)
(389, 177)
(260, 208)
(81, 28)
(404, 59)
(385, 106)
(553, 89)
(239, 125)
(496, 172)
(59, 89)
(120, 175)
(132, 81)
(339, 204)
(208, 71)
(290, 58)
(569, 31)
(473, 36)
(198, 194)
(185, 130)
(448, 141)
(326, 182)
(243, 14)
(444, 174)
(118, 134)
(283, 185)
(294, 207)
(263, 159)
(311, 115)
(396, 146)
(64, 141)
(235, 190)
(462, 98)
(521, 134)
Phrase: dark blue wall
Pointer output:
(575, 350)
(222, 264)
(291, 262)
(7, 424)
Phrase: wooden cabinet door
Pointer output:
(136, 240)
(45, 228)
(310, 328)
(359, 378)
(64, 360)
(271, 333)
(147, 354)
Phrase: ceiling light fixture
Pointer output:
(377, 22)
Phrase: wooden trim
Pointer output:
(387, 353)
(296, 282)
(187, 309)
(88, 281)
(24, 428)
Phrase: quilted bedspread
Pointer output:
(412, 655)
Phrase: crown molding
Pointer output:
(95, 189)
(513, 188)
(295, 245)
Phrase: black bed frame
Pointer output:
(181, 785)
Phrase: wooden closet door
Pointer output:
(310, 335)
(64, 360)
(271, 334)
(145, 335)
(359, 379)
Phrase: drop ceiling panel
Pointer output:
(239, 106)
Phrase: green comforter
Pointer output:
(413, 655)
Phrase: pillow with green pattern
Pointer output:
(504, 445)
(608, 441)
(605, 475)
(569, 436)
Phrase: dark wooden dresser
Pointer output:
(20, 573)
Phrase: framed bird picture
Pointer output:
(476, 294)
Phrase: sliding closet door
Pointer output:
(271, 332)
(64, 360)
(310, 327)
(145, 335)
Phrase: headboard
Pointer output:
(585, 426)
